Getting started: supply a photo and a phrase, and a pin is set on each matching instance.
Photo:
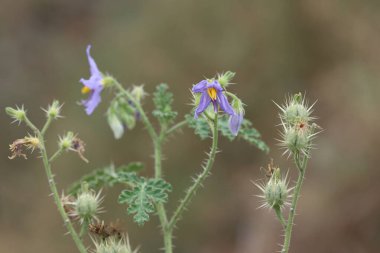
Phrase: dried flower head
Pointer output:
(79, 146)
(104, 230)
(18, 146)
(68, 203)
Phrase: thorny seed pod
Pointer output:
(275, 191)
(87, 206)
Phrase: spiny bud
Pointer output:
(138, 92)
(108, 81)
(18, 114)
(295, 139)
(53, 111)
(236, 120)
(66, 141)
(115, 124)
(113, 245)
(275, 191)
(87, 205)
(296, 110)
(225, 78)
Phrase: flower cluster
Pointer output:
(298, 127)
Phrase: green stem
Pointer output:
(57, 200)
(46, 126)
(199, 180)
(280, 216)
(55, 155)
(84, 228)
(161, 211)
(177, 126)
(157, 142)
(301, 175)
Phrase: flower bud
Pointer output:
(66, 141)
(115, 124)
(113, 245)
(236, 120)
(225, 78)
(18, 114)
(107, 81)
(54, 110)
(87, 205)
(275, 191)
(296, 110)
(296, 140)
(138, 92)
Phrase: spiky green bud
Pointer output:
(65, 142)
(226, 78)
(53, 111)
(138, 92)
(87, 205)
(113, 245)
(18, 114)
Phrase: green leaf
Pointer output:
(201, 126)
(163, 100)
(251, 135)
(143, 196)
(107, 177)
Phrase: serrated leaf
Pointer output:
(251, 135)
(200, 126)
(163, 100)
(142, 197)
(107, 177)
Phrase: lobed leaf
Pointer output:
(163, 100)
(143, 196)
(107, 177)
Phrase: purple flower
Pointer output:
(93, 85)
(212, 92)
(235, 122)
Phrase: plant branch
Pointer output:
(301, 165)
(199, 180)
(57, 200)
(176, 127)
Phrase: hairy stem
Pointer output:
(301, 165)
(46, 126)
(199, 180)
(57, 200)
(157, 142)
(55, 155)
(176, 127)
(280, 217)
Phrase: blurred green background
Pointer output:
(328, 49)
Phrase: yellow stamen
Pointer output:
(85, 90)
(212, 93)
